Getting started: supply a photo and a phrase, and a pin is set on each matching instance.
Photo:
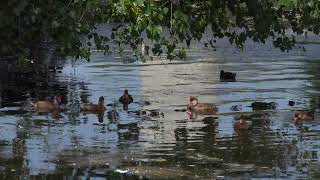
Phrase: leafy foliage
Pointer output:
(168, 23)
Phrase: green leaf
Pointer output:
(165, 11)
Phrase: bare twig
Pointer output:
(69, 3)
(171, 16)
(164, 4)
(83, 14)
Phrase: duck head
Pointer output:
(101, 100)
(192, 102)
(221, 73)
(126, 93)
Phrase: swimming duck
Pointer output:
(242, 123)
(201, 108)
(94, 107)
(227, 76)
(263, 105)
(303, 116)
(291, 103)
(126, 99)
(47, 106)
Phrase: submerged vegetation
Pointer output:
(71, 24)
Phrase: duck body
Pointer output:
(47, 106)
(263, 105)
(201, 108)
(95, 108)
(303, 116)
(126, 99)
(204, 107)
(44, 106)
(227, 76)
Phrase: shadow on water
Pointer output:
(155, 137)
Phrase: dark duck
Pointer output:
(126, 99)
(256, 106)
(227, 76)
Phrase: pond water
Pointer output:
(155, 138)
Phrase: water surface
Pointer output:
(155, 138)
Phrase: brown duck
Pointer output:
(47, 106)
(303, 116)
(201, 108)
(96, 108)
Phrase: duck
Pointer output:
(263, 105)
(243, 123)
(96, 108)
(201, 108)
(47, 106)
(300, 116)
(291, 103)
(126, 99)
(227, 76)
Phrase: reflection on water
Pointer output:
(156, 137)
